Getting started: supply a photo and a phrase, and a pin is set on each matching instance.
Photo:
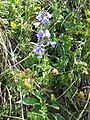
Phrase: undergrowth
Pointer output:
(45, 60)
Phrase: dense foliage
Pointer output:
(45, 60)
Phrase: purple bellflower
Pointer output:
(48, 15)
(47, 33)
(40, 34)
(43, 17)
(36, 24)
(39, 16)
(45, 21)
(39, 52)
(53, 44)
(40, 44)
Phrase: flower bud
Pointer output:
(55, 72)
(81, 95)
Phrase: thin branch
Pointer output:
(66, 90)
(13, 117)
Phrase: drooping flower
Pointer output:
(53, 44)
(43, 17)
(40, 34)
(36, 24)
(48, 15)
(46, 34)
(45, 21)
(40, 44)
(39, 16)
(39, 52)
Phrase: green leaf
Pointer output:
(31, 101)
(37, 116)
(58, 117)
(68, 45)
(54, 105)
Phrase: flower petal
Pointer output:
(40, 34)
(47, 33)
(40, 44)
(48, 15)
(39, 16)
(39, 52)
(36, 24)
(44, 21)
(53, 44)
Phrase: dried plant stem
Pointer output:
(66, 90)
(10, 98)
(22, 104)
(13, 117)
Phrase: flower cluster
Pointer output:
(42, 17)
(44, 34)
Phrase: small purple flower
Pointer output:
(44, 21)
(48, 15)
(39, 52)
(46, 34)
(40, 44)
(53, 44)
(39, 16)
(43, 17)
(40, 34)
(36, 24)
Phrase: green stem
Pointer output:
(80, 115)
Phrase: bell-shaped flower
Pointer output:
(53, 44)
(46, 34)
(39, 52)
(40, 34)
(45, 21)
(39, 16)
(40, 44)
(48, 15)
(36, 24)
